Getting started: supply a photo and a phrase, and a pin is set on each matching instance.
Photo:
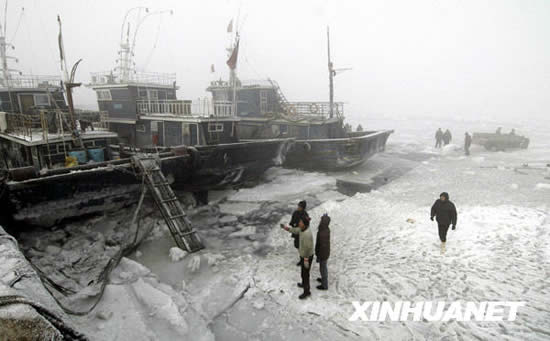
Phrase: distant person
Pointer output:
(447, 137)
(438, 138)
(322, 250)
(348, 128)
(300, 210)
(513, 132)
(445, 212)
(359, 128)
(499, 130)
(467, 143)
(305, 250)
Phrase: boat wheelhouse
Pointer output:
(322, 140)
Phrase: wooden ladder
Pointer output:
(182, 231)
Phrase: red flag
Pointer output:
(232, 61)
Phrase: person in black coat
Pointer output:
(445, 213)
(467, 143)
(296, 215)
(322, 250)
(447, 137)
(438, 138)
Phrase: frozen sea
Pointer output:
(384, 248)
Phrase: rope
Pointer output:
(103, 276)
(58, 323)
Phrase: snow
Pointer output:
(176, 254)
(242, 286)
(160, 305)
(540, 186)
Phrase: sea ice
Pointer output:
(176, 254)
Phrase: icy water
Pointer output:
(384, 248)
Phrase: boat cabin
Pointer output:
(27, 93)
(265, 112)
(145, 112)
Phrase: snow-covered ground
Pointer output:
(384, 248)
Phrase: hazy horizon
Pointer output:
(453, 59)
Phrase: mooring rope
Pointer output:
(103, 276)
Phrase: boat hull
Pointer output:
(336, 154)
(234, 164)
(51, 198)
(500, 142)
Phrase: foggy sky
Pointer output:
(424, 58)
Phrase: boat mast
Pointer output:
(126, 64)
(68, 81)
(233, 77)
(331, 73)
(5, 76)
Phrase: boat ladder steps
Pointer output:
(172, 211)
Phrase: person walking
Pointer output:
(300, 210)
(445, 213)
(447, 137)
(322, 250)
(467, 143)
(438, 138)
(306, 252)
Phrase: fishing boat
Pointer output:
(322, 141)
(57, 162)
(143, 109)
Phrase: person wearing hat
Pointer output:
(306, 251)
(445, 213)
(322, 250)
(301, 209)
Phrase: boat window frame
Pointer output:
(103, 92)
(36, 96)
(140, 128)
(217, 127)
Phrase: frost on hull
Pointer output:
(336, 154)
(68, 193)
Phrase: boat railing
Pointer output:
(173, 107)
(222, 108)
(31, 82)
(319, 109)
(201, 107)
(138, 78)
(47, 124)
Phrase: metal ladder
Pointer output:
(180, 226)
(285, 105)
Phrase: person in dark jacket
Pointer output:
(438, 138)
(467, 143)
(447, 137)
(296, 215)
(322, 250)
(445, 212)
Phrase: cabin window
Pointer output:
(117, 106)
(263, 101)
(104, 95)
(283, 128)
(142, 94)
(215, 127)
(153, 95)
(41, 100)
(140, 128)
